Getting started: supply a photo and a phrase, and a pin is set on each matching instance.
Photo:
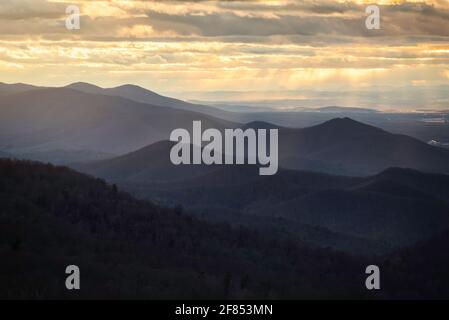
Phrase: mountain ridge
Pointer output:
(143, 95)
(67, 118)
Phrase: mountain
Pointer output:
(6, 88)
(346, 146)
(398, 218)
(71, 120)
(392, 209)
(396, 208)
(131, 92)
(339, 146)
(86, 87)
(380, 211)
(142, 95)
(52, 217)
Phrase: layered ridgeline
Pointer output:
(374, 214)
(339, 146)
(51, 217)
(255, 236)
(83, 122)
(47, 120)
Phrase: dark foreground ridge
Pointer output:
(52, 217)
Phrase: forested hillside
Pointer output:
(52, 217)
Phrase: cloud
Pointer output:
(332, 21)
(396, 21)
(226, 45)
(31, 9)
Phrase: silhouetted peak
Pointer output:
(82, 85)
(339, 125)
(132, 87)
(129, 86)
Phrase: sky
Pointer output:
(311, 52)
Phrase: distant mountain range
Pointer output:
(139, 94)
(62, 118)
(410, 124)
(339, 146)
(279, 105)
(83, 122)
(345, 146)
